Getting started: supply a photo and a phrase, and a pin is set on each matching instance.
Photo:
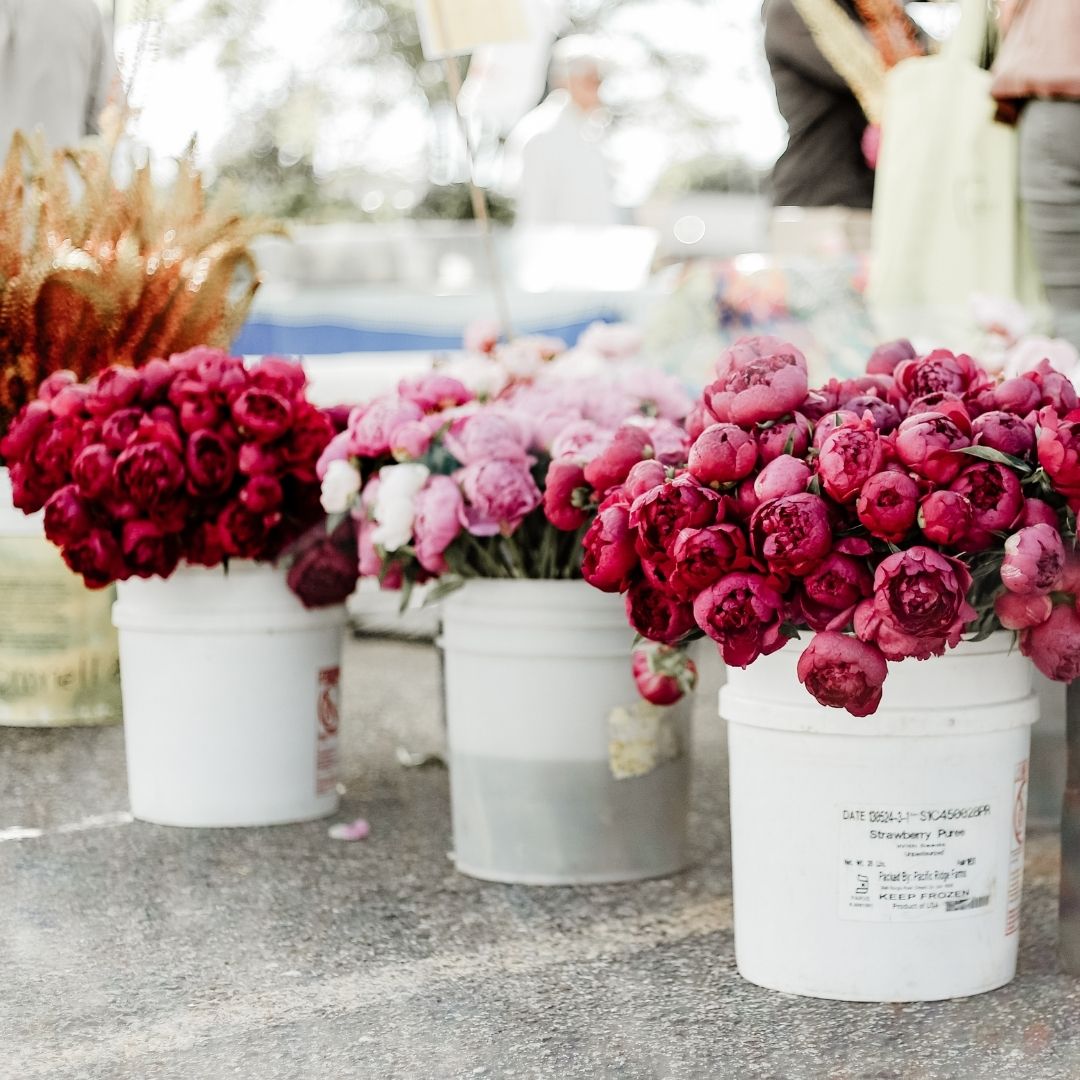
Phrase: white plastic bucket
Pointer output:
(881, 859)
(58, 657)
(231, 698)
(559, 774)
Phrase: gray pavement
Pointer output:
(136, 952)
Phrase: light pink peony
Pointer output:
(1034, 560)
(439, 507)
(1054, 645)
(372, 427)
(758, 379)
(487, 436)
(498, 496)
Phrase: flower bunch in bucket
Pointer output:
(196, 459)
(889, 515)
(495, 471)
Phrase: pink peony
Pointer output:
(262, 415)
(1020, 395)
(1035, 511)
(782, 476)
(785, 437)
(1058, 443)
(657, 614)
(372, 427)
(629, 445)
(663, 674)
(610, 557)
(663, 512)
(835, 418)
(848, 458)
(437, 523)
(644, 476)
(758, 379)
(566, 495)
(722, 454)
(434, 392)
(919, 605)
(887, 505)
(884, 358)
(703, 556)
(945, 518)
(941, 370)
(1054, 645)
(1017, 612)
(742, 612)
(499, 494)
(97, 558)
(1034, 560)
(996, 500)
(926, 444)
(883, 415)
(410, 441)
(1005, 432)
(487, 436)
(792, 534)
(831, 592)
(842, 672)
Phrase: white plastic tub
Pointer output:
(58, 656)
(559, 774)
(881, 859)
(231, 698)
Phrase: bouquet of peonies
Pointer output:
(196, 459)
(499, 478)
(889, 514)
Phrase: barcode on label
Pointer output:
(967, 905)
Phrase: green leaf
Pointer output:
(790, 631)
(449, 583)
(988, 453)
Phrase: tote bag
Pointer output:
(946, 221)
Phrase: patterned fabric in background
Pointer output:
(709, 304)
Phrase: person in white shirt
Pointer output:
(555, 153)
(56, 69)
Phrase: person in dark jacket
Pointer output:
(823, 164)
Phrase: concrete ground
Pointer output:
(136, 952)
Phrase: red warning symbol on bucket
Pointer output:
(328, 719)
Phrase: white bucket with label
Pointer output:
(559, 773)
(881, 858)
(58, 660)
(231, 698)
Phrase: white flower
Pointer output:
(340, 486)
(395, 504)
(1028, 352)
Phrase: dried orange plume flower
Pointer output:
(93, 272)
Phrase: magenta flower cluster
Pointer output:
(889, 514)
(197, 458)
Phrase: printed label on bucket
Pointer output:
(904, 864)
(327, 717)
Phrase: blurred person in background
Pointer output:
(828, 60)
(555, 161)
(1037, 77)
(56, 69)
